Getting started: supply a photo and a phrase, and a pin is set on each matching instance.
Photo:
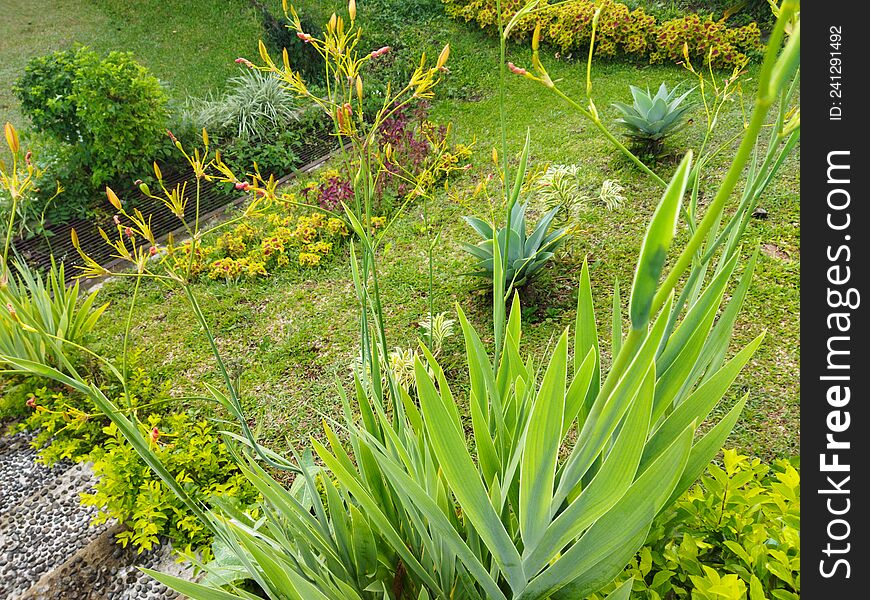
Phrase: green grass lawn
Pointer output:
(291, 336)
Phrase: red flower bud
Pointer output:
(171, 137)
(116, 220)
(137, 182)
(128, 232)
(155, 434)
(304, 37)
(242, 185)
(379, 52)
(244, 61)
(31, 402)
(515, 69)
(27, 157)
(152, 251)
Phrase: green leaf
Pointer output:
(606, 488)
(541, 449)
(194, 591)
(655, 245)
(448, 443)
(617, 529)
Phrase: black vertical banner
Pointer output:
(835, 363)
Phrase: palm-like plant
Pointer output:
(653, 117)
(527, 253)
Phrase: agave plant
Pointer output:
(652, 118)
(526, 254)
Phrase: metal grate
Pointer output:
(214, 198)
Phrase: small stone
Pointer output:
(759, 213)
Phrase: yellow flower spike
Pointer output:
(284, 6)
(113, 198)
(286, 60)
(12, 138)
(104, 235)
(331, 25)
(536, 37)
(442, 58)
(157, 172)
(494, 156)
(351, 10)
(359, 87)
(75, 238)
(205, 137)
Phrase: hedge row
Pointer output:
(568, 25)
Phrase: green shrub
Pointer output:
(109, 108)
(65, 427)
(45, 91)
(129, 491)
(738, 530)
(621, 30)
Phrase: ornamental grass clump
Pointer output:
(551, 485)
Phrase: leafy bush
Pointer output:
(621, 30)
(45, 91)
(65, 427)
(653, 118)
(736, 534)
(108, 113)
(527, 253)
(727, 47)
(127, 490)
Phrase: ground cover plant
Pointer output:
(395, 446)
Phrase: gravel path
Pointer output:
(49, 550)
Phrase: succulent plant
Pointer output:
(527, 253)
(652, 118)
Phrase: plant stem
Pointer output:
(127, 327)
(597, 122)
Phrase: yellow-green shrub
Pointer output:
(737, 532)
(568, 25)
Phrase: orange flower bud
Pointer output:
(113, 198)
(442, 58)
